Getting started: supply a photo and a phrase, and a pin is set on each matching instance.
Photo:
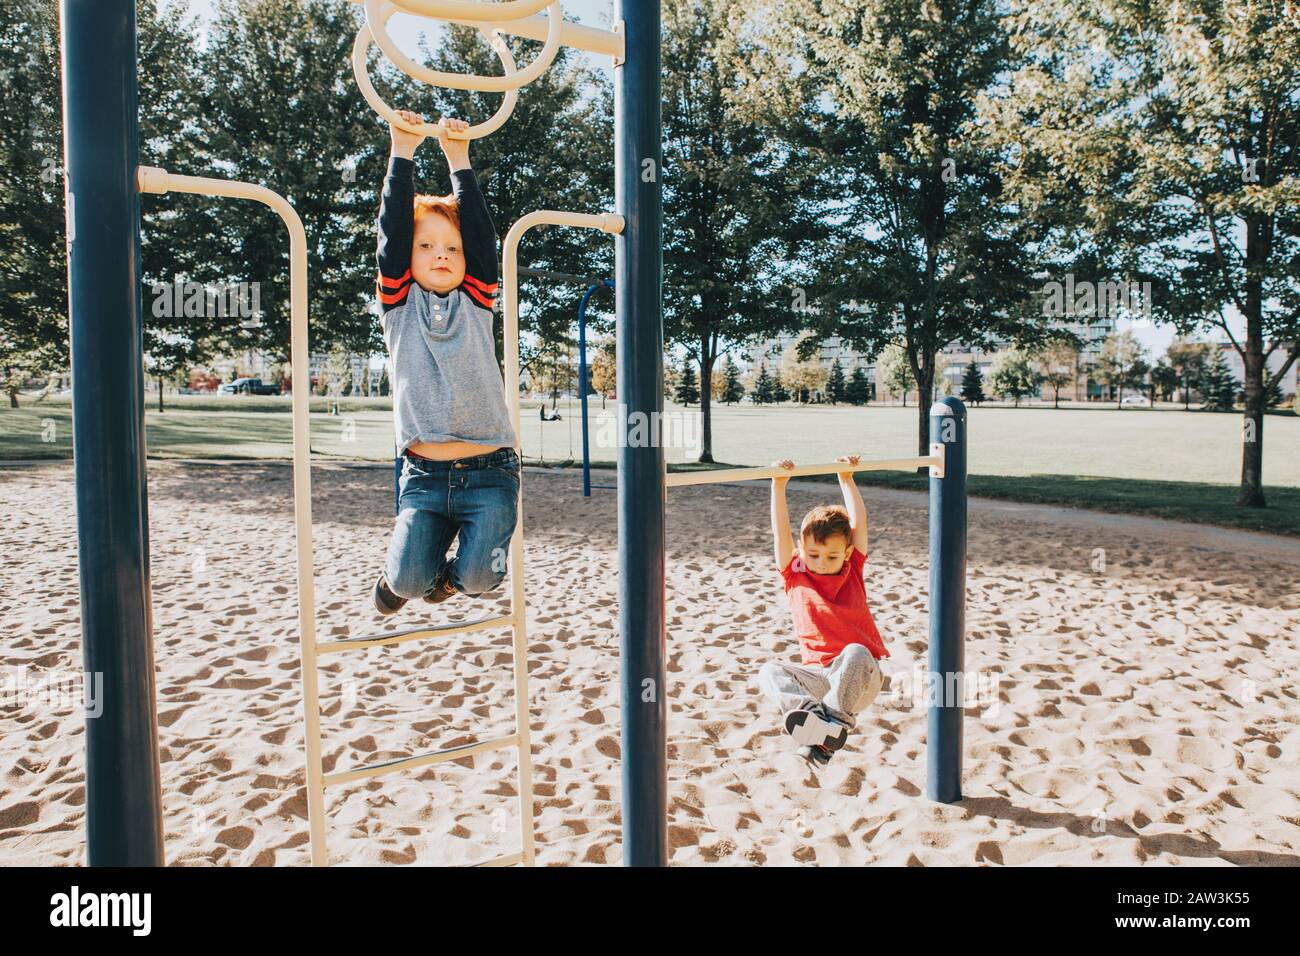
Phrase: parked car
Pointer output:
(1135, 400)
(248, 386)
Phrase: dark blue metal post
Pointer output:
(123, 789)
(947, 605)
(641, 491)
(582, 385)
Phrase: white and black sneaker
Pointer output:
(815, 757)
(810, 726)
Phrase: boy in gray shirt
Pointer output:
(460, 468)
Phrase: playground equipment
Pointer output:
(103, 182)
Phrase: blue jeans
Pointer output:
(477, 498)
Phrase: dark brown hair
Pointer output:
(826, 521)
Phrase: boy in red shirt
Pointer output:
(839, 675)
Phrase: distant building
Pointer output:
(1275, 362)
(771, 350)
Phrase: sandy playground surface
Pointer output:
(1137, 699)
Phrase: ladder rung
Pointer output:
(423, 760)
(414, 634)
(510, 859)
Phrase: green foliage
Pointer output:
(1218, 385)
(972, 385)
(33, 264)
(835, 385)
(733, 390)
(764, 387)
(687, 392)
(1013, 375)
(858, 391)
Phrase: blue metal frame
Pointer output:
(638, 277)
(943, 748)
(101, 143)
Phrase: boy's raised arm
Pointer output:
(853, 503)
(396, 231)
(479, 236)
(782, 544)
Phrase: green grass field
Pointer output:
(1163, 462)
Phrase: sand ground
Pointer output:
(1136, 679)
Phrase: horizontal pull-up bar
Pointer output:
(933, 461)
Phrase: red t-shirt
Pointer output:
(830, 610)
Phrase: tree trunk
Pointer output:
(706, 400)
(1056, 398)
(924, 385)
(160, 395)
(1251, 493)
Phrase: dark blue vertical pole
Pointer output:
(641, 491)
(947, 604)
(123, 789)
(582, 384)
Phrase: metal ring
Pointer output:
(379, 12)
(477, 131)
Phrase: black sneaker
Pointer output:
(441, 590)
(386, 602)
(810, 726)
(816, 757)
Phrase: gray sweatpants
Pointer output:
(847, 686)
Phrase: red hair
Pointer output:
(445, 206)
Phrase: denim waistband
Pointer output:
(492, 459)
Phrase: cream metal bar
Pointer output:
(377, 103)
(159, 181)
(519, 19)
(606, 222)
(491, 20)
(933, 461)
(379, 12)
(152, 180)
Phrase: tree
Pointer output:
(384, 385)
(779, 392)
(763, 386)
(897, 371)
(734, 202)
(1188, 360)
(1013, 375)
(1192, 177)
(972, 385)
(1058, 364)
(1218, 385)
(835, 385)
(604, 370)
(1164, 381)
(732, 391)
(799, 372)
(1119, 363)
(687, 393)
(858, 391)
(929, 251)
(33, 263)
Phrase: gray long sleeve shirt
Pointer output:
(447, 385)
